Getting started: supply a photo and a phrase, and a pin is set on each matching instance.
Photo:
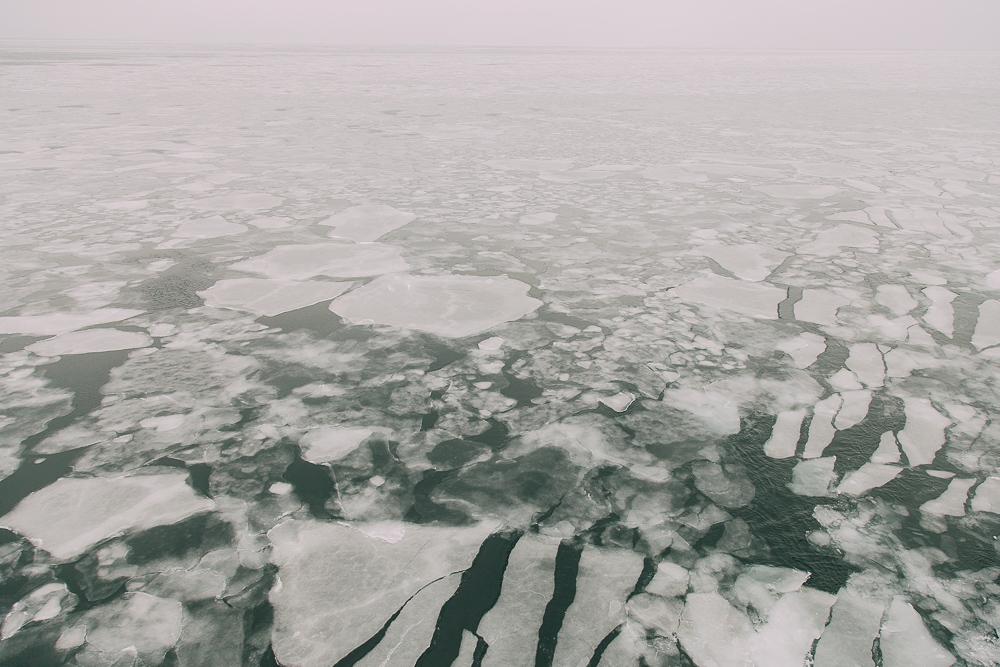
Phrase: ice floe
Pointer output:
(987, 496)
(896, 298)
(905, 640)
(804, 349)
(337, 260)
(747, 261)
(785, 434)
(987, 333)
(940, 314)
(327, 444)
(270, 296)
(821, 429)
(90, 340)
(854, 625)
(209, 228)
(867, 477)
(57, 323)
(451, 305)
(952, 501)
(924, 432)
(367, 222)
(813, 477)
(747, 298)
(819, 306)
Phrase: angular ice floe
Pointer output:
(854, 408)
(906, 641)
(854, 625)
(751, 299)
(832, 241)
(867, 477)
(338, 260)
(952, 501)
(896, 298)
(338, 585)
(326, 444)
(208, 228)
(90, 340)
(819, 306)
(987, 496)
(940, 314)
(604, 580)
(821, 430)
(785, 434)
(987, 332)
(367, 222)
(57, 323)
(270, 296)
(411, 632)
(804, 349)
(42, 604)
(714, 632)
(511, 626)
(793, 625)
(923, 434)
(73, 514)
(888, 449)
(865, 361)
(813, 477)
(451, 306)
(135, 629)
(747, 261)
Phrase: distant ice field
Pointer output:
(498, 357)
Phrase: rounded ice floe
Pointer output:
(73, 514)
(450, 306)
(57, 323)
(270, 297)
(367, 222)
(90, 340)
(208, 228)
(338, 260)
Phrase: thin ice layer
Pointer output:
(90, 340)
(337, 260)
(270, 297)
(73, 514)
(450, 306)
(57, 323)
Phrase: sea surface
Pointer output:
(315, 356)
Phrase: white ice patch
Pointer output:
(848, 638)
(867, 477)
(237, 201)
(888, 449)
(57, 323)
(832, 241)
(854, 408)
(813, 477)
(785, 434)
(338, 586)
(367, 222)
(90, 340)
(906, 642)
(987, 498)
(993, 279)
(821, 430)
(865, 360)
(819, 306)
(952, 501)
(751, 299)
(326, 444)
(73, 514)
(923, 434)
(208, 228)
(799, 191)
(450, 306)
(135, 629)
(747, 261)
(987, 332)
(940, 314)
(804, 349)
(270, 297)
(718, 411)
(338, 260)
(896, 298)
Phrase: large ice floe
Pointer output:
(337, 260)
(451, 306)
(270, 296)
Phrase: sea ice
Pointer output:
(952, 501)
(987, 332)
(747, 261)
(987, 497)
(799, 191)
(73, 514)
(923, 434)
(337, 260)
(865, 360)
(854, 408)
(804, 349)
(338, 585)
(821, 430)
(237, 201)
(90, 340)
(747, 298)
(819, 306)
(327, 444)
(813, 477)
(270, 296)
(896, 298)
(906, 642)
(208, 228)
(452, 306)
(854, 625)
(785, 434)
(57, 323)
(867, 477)
(832, 241)
(135, 629)
(367, 222)
(940, 314)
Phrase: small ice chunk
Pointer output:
(795, 622)
(813, 477)
(987, 498)
(819, 306)
(270, 297)
(327, 444)
(57, 323)
(73, 514)
(747, 261)
(952, 501)
(854, 408)
(90, 340)
(895, 298)
(987, 332)
(821, 430)
(137, 628)
(42, 604)
(867, 477)
(367, 222)
(906, 642)
(491, 344)
(453, 306)
(707, 618)
(785, 434)
(804, 349)
(280, 488)
(208, 228)
(923, 434)
(751, 299)
(337, 260)
(865, 360)
(854, 625)
(940, 314)
(620, 402)
(670, 580)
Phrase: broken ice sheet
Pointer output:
(367, 222)
(747, 298)
(90, 340)
(337, 260)
(270, 297)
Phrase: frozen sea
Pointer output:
(320, 357)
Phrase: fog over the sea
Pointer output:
(782, 24)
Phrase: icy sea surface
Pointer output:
(498, 357)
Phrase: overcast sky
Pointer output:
(820, 24)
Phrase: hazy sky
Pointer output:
(847, 24)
